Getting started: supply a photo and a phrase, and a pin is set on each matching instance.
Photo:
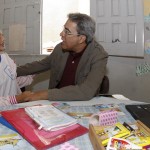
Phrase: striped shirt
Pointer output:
(7, 100)
(22, 81)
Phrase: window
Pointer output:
(54, 16)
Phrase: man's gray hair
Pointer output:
(85, 25)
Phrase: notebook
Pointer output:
(140, 112)
(4, 122)
(49, 117)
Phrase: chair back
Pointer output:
(104, 89)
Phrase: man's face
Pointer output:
(70, 37)
(2, 46)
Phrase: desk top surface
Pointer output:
(82, 142)
(95, 100)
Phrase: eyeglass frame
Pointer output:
(68, 32)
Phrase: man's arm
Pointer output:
(25, 80)
(39, 95)
(35, 67)
(85, 89)
(22, 97)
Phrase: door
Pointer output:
(119, 26)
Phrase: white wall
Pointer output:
(123, 79)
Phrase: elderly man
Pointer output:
(77, 65)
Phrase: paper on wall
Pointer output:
(142, 69)
(17, 37)
(146, 10)
(147, 47)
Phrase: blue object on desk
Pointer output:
(4, 122)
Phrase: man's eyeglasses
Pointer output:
(68, 32)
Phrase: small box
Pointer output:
(108, 117)
(104, 118)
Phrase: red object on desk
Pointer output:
(40, 139)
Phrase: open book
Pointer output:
(49, 117)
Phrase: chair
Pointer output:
(104, 89)
(22, 89)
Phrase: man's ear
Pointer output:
(82, 39)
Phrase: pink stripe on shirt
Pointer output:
(12, 100)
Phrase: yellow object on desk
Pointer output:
(99, 135)
(105, 132)
(98, 143)
(140, 136)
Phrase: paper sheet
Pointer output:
(147, 10)
(17, 37)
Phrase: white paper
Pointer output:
(17, 37)
(120, 97)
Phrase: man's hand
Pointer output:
(39, 95)
(22, 97)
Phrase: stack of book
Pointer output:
(49, 117)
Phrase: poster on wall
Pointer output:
(142, 69)
(17, 37)
(147, 10)
(147, 47)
